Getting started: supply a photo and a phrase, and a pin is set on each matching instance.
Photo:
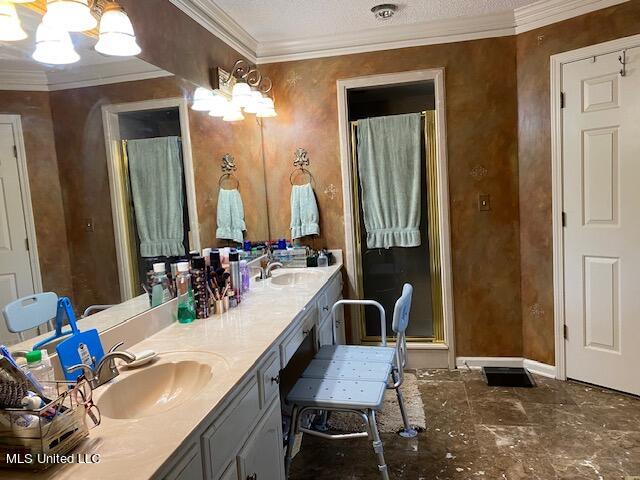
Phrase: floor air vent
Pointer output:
(508, 377)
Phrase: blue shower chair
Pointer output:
(353, 379)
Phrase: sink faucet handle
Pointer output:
(87, 371)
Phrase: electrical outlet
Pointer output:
(484, 202)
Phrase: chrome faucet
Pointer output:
(106, 369)
(266, 271)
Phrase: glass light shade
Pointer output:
(241, 94)
(202, 100)
(254, 103)
(53, 46)
(233, 114)
(267, 108)
(219, 106)
(10, 28)
(71, 15)
(116, 34)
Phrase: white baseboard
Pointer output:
(531, 365)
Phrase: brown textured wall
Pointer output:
(534, 135)
(46, 196)
(481, 112)
(83, 170)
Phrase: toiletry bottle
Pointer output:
(214, 259)
(186, 309)
(323, 261)
(244, 274)
(198, 276)
(40, 366)
(160, 285)
(236, 278)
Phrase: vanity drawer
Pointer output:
(269, 377)
(222, 440)
(289, 346)
(324, 305)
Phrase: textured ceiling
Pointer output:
(279, 20)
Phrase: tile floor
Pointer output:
(557, 430)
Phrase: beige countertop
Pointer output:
(232, 344)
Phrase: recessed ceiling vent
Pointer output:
(384, 11)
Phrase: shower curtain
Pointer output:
(155, 171)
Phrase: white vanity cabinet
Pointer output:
(243, 439)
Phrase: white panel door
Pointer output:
(601, 180)
(16, 278)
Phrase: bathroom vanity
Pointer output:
(209, 406)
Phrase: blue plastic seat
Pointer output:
(348, 370)
(327, 393)
(32, 311)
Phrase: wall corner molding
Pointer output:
(210, 16)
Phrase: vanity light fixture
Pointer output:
(116, 33)
(244, 89)
(71, 15)
(53, 46)
(10, 27)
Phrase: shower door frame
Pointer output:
(444, 340)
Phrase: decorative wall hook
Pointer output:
(301, 158)
(623, 61)
(228, 163)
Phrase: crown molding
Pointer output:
(210, 16)
(391, 37)
(523, 19)
(79, 77)
(547, 12)
(25, 80)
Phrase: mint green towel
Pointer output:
(389, 158)
(230, 216)
(304, 211)
(155, 171)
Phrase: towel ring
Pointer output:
(227, 176)
(301, 171)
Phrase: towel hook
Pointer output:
(300, 161)
(228, 167)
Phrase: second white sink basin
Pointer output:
(154, 390)
(292, 278)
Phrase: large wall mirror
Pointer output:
(104, 168)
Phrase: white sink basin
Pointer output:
(154, 390)
(292, 278)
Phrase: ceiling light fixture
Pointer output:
(242, 89)
(10, 28)
(384, 11)
(71, 15)
(53, 46)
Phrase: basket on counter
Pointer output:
(41, 434)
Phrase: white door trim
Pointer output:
(25, 190)
(437, 75)
(557, 61)
(112, 139)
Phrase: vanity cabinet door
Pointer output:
(262, 457)
(189, 467)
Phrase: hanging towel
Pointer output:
(230, 216)
(155, 170)
(389, 160)
(304, 211)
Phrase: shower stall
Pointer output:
(379, 273)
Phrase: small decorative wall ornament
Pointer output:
(228, 163)
(331, 191)
(536, 311)
(293, 78)
(478, 172)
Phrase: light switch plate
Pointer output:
(484, 202)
